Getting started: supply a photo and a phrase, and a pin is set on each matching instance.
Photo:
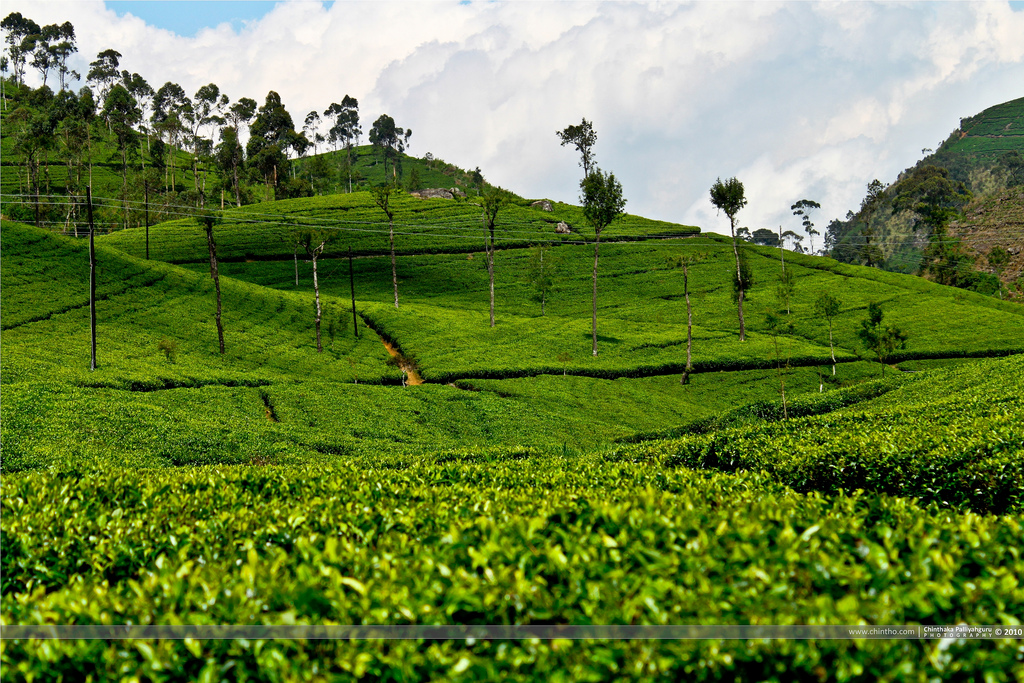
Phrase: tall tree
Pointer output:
(62, 51)
(122, 113)
(272, 133)
(827, 307)
(20, 39)
(345, 130)
(685, 262)
(311, 128)
(313, 243)
(170, 107)
(543, 268)
(44, 55)
(602, 203)
(230, 158)
(804, 208)
(382, 195)
(881, 339)
(775, 327)
(729, 197)
(390, 142)
(209, 219)
(104, 72)
(494, 200)
(583, 138)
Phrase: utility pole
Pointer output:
(145, 186)
(352, 286)
(92, 277)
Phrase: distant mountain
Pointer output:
(956, 217)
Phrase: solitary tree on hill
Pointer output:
(313, 243)
(883, 340)
(209, 219)
(804, 208)
(775, 327)
(583, 138)
(728, 197)
(827, 307)
(685, 263)
(602, 203)
(494, 200)
(382, 195)
(542, 270)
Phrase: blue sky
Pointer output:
(186, 17)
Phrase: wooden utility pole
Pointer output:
(145, 186)
(352, 286)
(92, 278)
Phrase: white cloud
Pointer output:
(796, 99)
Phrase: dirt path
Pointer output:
(414, 378)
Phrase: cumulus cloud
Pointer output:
(797, 99)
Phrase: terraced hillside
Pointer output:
(175, 485)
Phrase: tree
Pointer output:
(762, 236)
(104, 73)
(602, 203)
(542, 269)
(389, 141)
(728, 197)
(44, 55)
(882, 340)
(564, 358)
(583, 138)
(313, 243)
(230, 158)
(170, 107)
(804, 208)
(20, 39)
(64, 49)
(271, 134)
(685, 263)
(382, 196)
(346, 128)
(209, 219)
(775, 326)
(122, 113)
(827, 307)
(785, 287)
(311, 128)
(1013, 164)
(493, 201)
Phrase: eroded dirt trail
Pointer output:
(413, 376)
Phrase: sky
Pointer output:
(796, 99)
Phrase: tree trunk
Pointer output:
(593, 326)
(832, 348)
(490, 271)
(689, 328)
(739, 277)
(238, 192)
(391, 245)
(316, 295)
(216, 284)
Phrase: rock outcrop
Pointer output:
(543, 205)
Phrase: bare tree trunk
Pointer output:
(238, 193)
(216, 283)
(316, 295)
(782, 378)
(593, 326)
(296, 265)
(490, 272)
(394, 270)
(739, 277)
(689, 328)
(832, 348)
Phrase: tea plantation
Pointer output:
(526, 482)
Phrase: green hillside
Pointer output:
(266, 230)
(267, 486)
(980, 196)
